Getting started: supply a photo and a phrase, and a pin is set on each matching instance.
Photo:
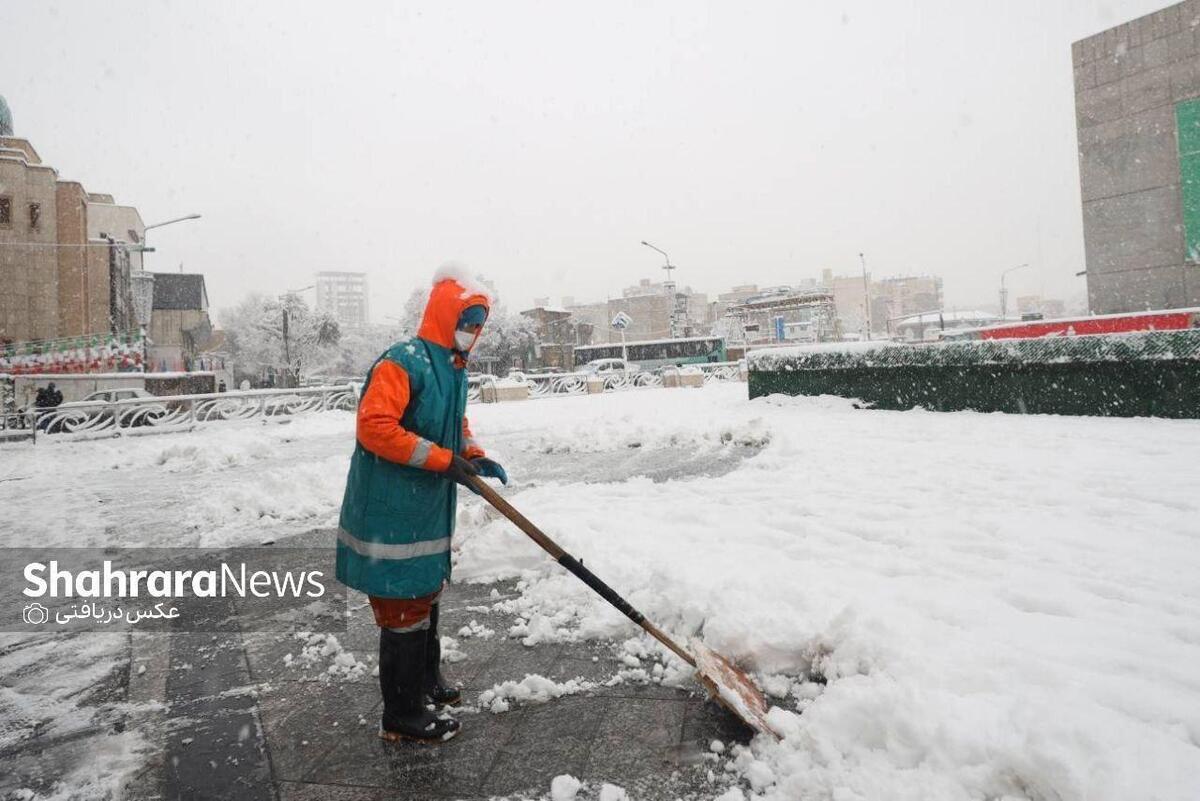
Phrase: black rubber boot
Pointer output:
(436, 687)
(401, 675)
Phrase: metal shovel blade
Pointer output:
(731, 687)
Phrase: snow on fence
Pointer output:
(518, 385)
(1150, 373)
(93, 419)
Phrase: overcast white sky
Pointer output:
(540, 142)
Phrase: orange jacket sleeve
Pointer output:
(379, 429)
(471, 448)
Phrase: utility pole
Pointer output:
(293, 374)
(1004, 289)
(866, 296)
(669, 285)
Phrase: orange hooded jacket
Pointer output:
(383, 404)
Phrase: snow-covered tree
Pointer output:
(281, 334)
(358, 350)
(414, 310)
(508, 341)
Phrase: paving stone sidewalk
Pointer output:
(244, 722)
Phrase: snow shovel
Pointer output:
(731, 687)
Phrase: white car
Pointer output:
(606, 366)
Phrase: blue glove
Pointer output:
(490, 468)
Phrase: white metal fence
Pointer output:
(94, 419)
(90, 419)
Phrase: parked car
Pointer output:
(607, 366)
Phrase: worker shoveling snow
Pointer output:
(728, 685)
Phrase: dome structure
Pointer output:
(6, 128)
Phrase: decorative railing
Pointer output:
(715, 372)
(88, 419)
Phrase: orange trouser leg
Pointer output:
(403, 615)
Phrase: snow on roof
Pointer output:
(1088, 317)
(457, 271)
(175, 291)
(649, 342)
(956, 316)
(759, 354)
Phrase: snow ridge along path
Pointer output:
(960, 605)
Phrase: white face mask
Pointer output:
(464, 340)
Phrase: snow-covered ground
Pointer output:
(960, 605)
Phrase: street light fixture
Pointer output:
(1004, 289)
(160, 225)
(866, 296)
(670, 287)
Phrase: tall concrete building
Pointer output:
(344, 296)
(1137, 107)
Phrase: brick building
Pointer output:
(60, 277)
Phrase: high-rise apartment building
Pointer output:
(344, 296)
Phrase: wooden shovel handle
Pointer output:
(575, 566)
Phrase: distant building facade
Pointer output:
(60, 278)
(782, 314)
(1137, 109)
(1045, 308)
(180, 328)
(344, 296)
(649, 305)
(558, 333)
(904, 296)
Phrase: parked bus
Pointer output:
(652, 354)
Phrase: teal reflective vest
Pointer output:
(396, 521)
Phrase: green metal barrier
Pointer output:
(1154, 373)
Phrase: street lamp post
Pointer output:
(1004, 289)
(670, 286)
(160, 225)
(866, 295)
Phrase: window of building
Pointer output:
(5, 211)
(35, 216)
(1187, 122)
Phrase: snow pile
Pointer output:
(963, 605)
(476, 629)
(243, 482)
(619, 421)
(533, 689)
(564, 787)
(325, 652)
(450, 650)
